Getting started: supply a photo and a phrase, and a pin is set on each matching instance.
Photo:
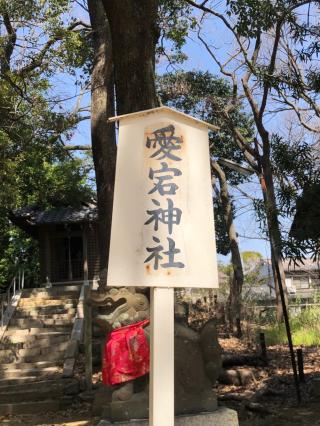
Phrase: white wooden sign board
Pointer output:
(162, 228)
(162, 223)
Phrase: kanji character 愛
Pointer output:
(166, 143)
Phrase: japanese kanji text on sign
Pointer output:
(162, 225)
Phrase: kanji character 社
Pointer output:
(155, 253)
(171, 253)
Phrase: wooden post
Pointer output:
(162, 357)
(85, 254)
(70, 277)
(263, 347)
(87, 335)
(300, 365)
(47, 257)
(288, 330)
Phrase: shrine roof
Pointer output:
(168, 110)
(31, 217)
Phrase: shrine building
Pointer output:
(68, 241)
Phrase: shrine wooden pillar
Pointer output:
(85, 252)
(47, 257)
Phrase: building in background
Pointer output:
(302, 281)
(68, 241)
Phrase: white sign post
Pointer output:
(162, 227)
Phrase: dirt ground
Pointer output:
(268, 399)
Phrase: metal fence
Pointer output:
(15, 287)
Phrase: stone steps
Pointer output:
(53, 357)
(36, 366)
(26, 370)
(37, 391)
(74, 289)
(39, 353)
(36, 406)
(32, 353)
(26, 380)
(26, 323)
(55, 310)
(46, 302)
(30, 395)
(43, 296)
(18, 333)
(34, 341)
(70, 386)
(37, 316)
(47, 309)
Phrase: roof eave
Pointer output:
(163, 109)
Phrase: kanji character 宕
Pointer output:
(164, 175)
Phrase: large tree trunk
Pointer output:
(237, 280)
(134, 34)
(102, 132)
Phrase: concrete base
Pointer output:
(221, 417)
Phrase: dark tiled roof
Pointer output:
(289, 266)
(306, 266)
(36, 217)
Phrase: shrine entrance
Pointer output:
(69, 258)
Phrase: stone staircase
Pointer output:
(33, 349)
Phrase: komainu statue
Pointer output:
(123, 314)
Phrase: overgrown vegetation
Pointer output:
(38, 41)
(305, 328)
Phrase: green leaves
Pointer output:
(254, 16)
(206, 97)
(175, 20)
(35, 168)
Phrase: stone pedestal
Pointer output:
(221, 417)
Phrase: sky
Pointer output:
(250, 236)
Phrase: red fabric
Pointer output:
(126, 354)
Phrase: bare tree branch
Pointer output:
(299, 112)
(228, 25)
(37, 60)
(271, 68)
(78, 147)
(10, 44)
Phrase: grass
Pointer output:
(305, 329)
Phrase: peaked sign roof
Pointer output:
(168, 110)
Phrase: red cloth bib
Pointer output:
(126, 354)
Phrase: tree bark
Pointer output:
(237, 280)
(267, 185)
(134, 35)
(102, 132)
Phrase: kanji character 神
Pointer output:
(171, 216)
